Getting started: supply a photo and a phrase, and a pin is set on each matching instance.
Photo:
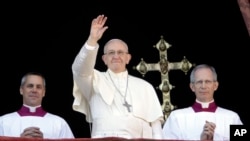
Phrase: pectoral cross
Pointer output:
(164, 66)
(127, 105)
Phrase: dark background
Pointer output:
(46, 37)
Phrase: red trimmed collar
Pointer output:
(25, 111)
(198, 107)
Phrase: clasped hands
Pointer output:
(32, 132)
(208, 131)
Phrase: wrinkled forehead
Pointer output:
(115, 44)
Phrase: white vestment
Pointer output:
(52, 126)
(186, 124)
(100, 100)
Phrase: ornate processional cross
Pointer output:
(164, 66)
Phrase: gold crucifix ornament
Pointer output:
(164, 66)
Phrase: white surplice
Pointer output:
(52, 126)
(186, 124)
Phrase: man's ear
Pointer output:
(21, 91)
(104, 59)
(44, 92)
(191, 85)
(216, 85)
(129, 58)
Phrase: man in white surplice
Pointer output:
(203, 120)
(116, 103)
(32, 120)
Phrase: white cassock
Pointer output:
(97, 96)
(52, 126)
(186, 124)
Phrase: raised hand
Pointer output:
(97, 29)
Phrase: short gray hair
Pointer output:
(112, 40)
(192, 77)
(24, 78)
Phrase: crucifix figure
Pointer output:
(127, 105)
(164, 66)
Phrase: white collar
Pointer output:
(204, 104)
(32, 109)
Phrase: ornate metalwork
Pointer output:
(164, 66)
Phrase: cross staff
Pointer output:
(164, 66)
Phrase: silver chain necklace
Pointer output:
(124, 97)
